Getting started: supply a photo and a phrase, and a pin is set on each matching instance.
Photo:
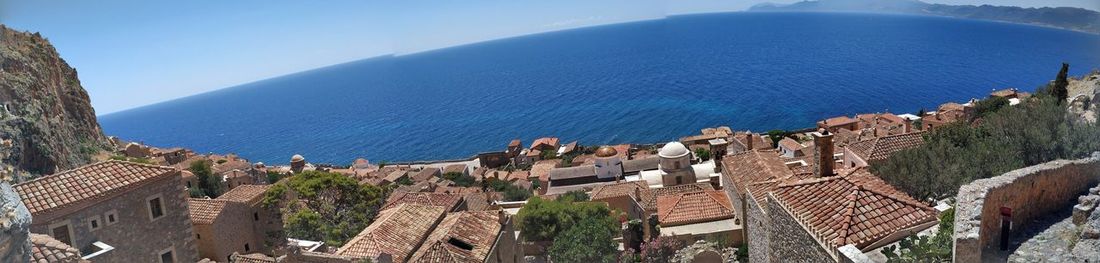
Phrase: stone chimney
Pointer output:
(823, 153)
(748, 144)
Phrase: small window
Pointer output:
(255, 216)
(111, 217)
(246, 248)
(167, 256)
(156, 207)
(188, 184)
(94, 223)
(679, 180)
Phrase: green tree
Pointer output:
(702, 153)
(545, 220)
(273, 176)
(510, 190)
(988, 106)
(1059, 89)
(936, 248)
(574, 196)
(210, 183)
(328, 206)
(460, 179)
(588, 241)
(776, 135)
(1033, 132)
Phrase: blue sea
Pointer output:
(639, 82)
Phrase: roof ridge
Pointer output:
(712, 193)
(679, 197)
(894, 197)
(849, 212)
(809, 181)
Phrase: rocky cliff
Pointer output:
(43, 108)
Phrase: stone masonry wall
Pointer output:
(756, 228)
(1030, 192)
(790, 242)
(135, 237)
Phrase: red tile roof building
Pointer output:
(45, 249)
(452, 202)
(855, 208)
(865, 152)
(236, 222)
(472, 237)
(114, 198)
(693, 207)
(396, 233)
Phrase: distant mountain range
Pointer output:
(1071, 18)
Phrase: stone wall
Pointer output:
(1030, 192)
(231, 231)
(789, 241)
(134, 236)
(757, 226)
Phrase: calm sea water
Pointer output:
(639, 82)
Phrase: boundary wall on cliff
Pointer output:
(1025, 194)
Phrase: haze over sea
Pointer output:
(640, 82)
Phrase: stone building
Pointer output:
(236, 221)
(395, 234)
(484, 236)
(834, 124)
(115, 211)
(863, 153)
(452, 202)
(702, 215)
(297, 163)
(749, 176)
(46, 249)
(811, 219)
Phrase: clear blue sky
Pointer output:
(132, 53)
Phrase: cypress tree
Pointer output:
(1060, 88)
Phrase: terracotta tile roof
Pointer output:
(481, 201)
(756, 170)
(882, 147)
(548, 141)
(790, 144)
(396, 231)
(852, 208)
(448, 201)
(45, 249)
(426, 174)
(393, 176)
(248, 194)
(461, 237)
(651, 201)
(542, 168)
(206, 211)
(87, 185)
(455, 168)
(950, 106)
(693, 207)
(637, 190)
(837, 121)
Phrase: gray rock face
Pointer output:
(15, 223)
(43, 109)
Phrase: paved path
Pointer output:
(1046, 240)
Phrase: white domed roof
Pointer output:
(297, 158)
(673, 150)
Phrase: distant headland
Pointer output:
(1071, 18)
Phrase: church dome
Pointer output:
(673, 150)
(297, 158)
(606, 151)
